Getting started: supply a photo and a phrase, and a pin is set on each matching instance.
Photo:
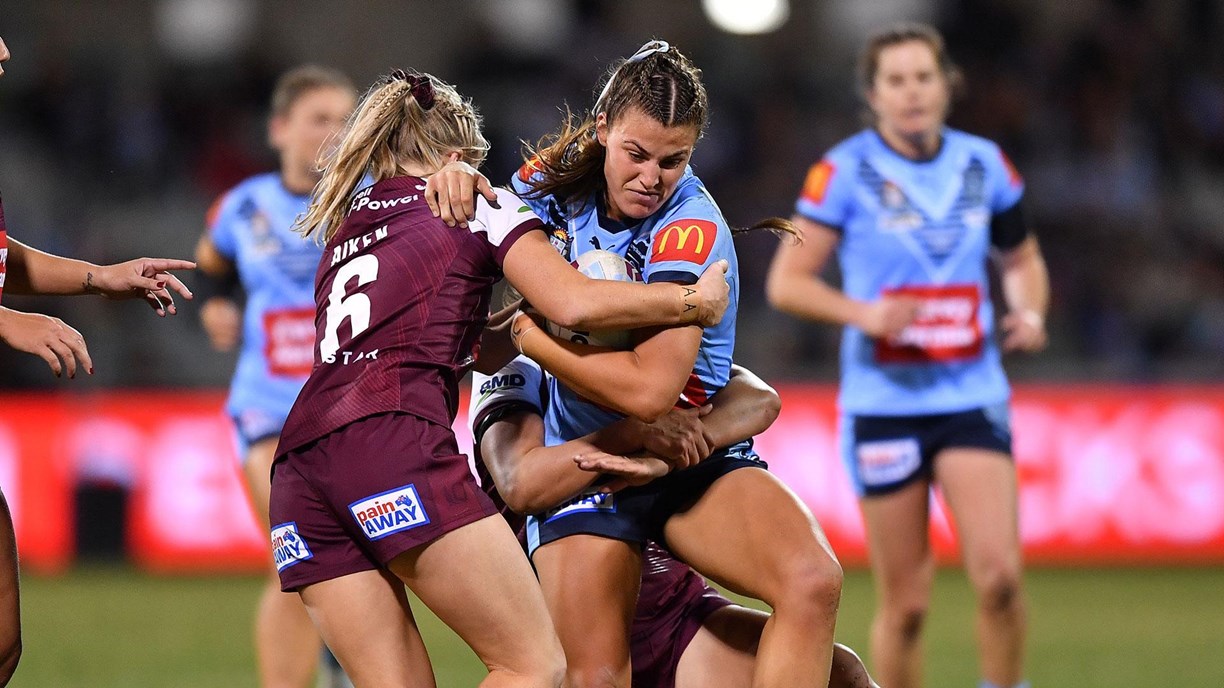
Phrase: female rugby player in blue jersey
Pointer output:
(25, 270)
(250, 248)
(914, 209)
(619, 180)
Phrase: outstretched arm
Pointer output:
(31, 271)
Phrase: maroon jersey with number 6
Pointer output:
(401, 299)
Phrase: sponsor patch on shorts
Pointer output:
(883, 462)
(595, 502)
(288, 547)
(389, 512)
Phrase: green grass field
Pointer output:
(103, 627)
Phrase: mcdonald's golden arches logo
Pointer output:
(690, 240)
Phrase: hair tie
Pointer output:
(420, 85)
(648, 48)
(422, 90)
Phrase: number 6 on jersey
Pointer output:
(341, 305)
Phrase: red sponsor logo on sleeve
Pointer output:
(688, 240)
(817, 182)
(946, 328)
(289, 336)
(529, 168)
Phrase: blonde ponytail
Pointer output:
(404, 118)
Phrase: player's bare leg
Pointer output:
(478, 582)
(286, 642)
(979, 487)
(750, 533)
(723, 652)
(366, 621)
(10, 595)
(903, 570)
(587, 577)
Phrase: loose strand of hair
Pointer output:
(778, 226)
(367, 131)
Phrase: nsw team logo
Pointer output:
(288, 548)
(688, 240)
(595, 502)
(389, 512)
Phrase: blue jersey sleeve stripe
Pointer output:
(677, 276)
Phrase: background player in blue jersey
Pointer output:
(26, 270)
(619, 180)
(914, 209)
(684, 633)
(251, 250)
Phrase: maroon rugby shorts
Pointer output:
(362, 495)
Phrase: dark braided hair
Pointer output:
(658, 80)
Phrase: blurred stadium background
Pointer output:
(121, 121)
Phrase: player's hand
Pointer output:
(711, 296)
(678, 437)
(451, 192)
(61, 346)
(626, 471)
(143, 278)
(1024, 331)
(222, 322)
(522, 323)
(4, 55)
(888, 316)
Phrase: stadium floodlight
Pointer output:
(747, 16)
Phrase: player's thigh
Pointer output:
(587, 578)
(478, 581)
(366, 621)
(898, 542)
(979, 487)
(257, 470)
(723, 651)
(752, 534)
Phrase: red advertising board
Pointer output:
(1110, 475)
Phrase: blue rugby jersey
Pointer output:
(675, 244)
(251, 225)
(920, 228)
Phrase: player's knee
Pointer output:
(906, 618)
(998, 588)
(812, 585)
